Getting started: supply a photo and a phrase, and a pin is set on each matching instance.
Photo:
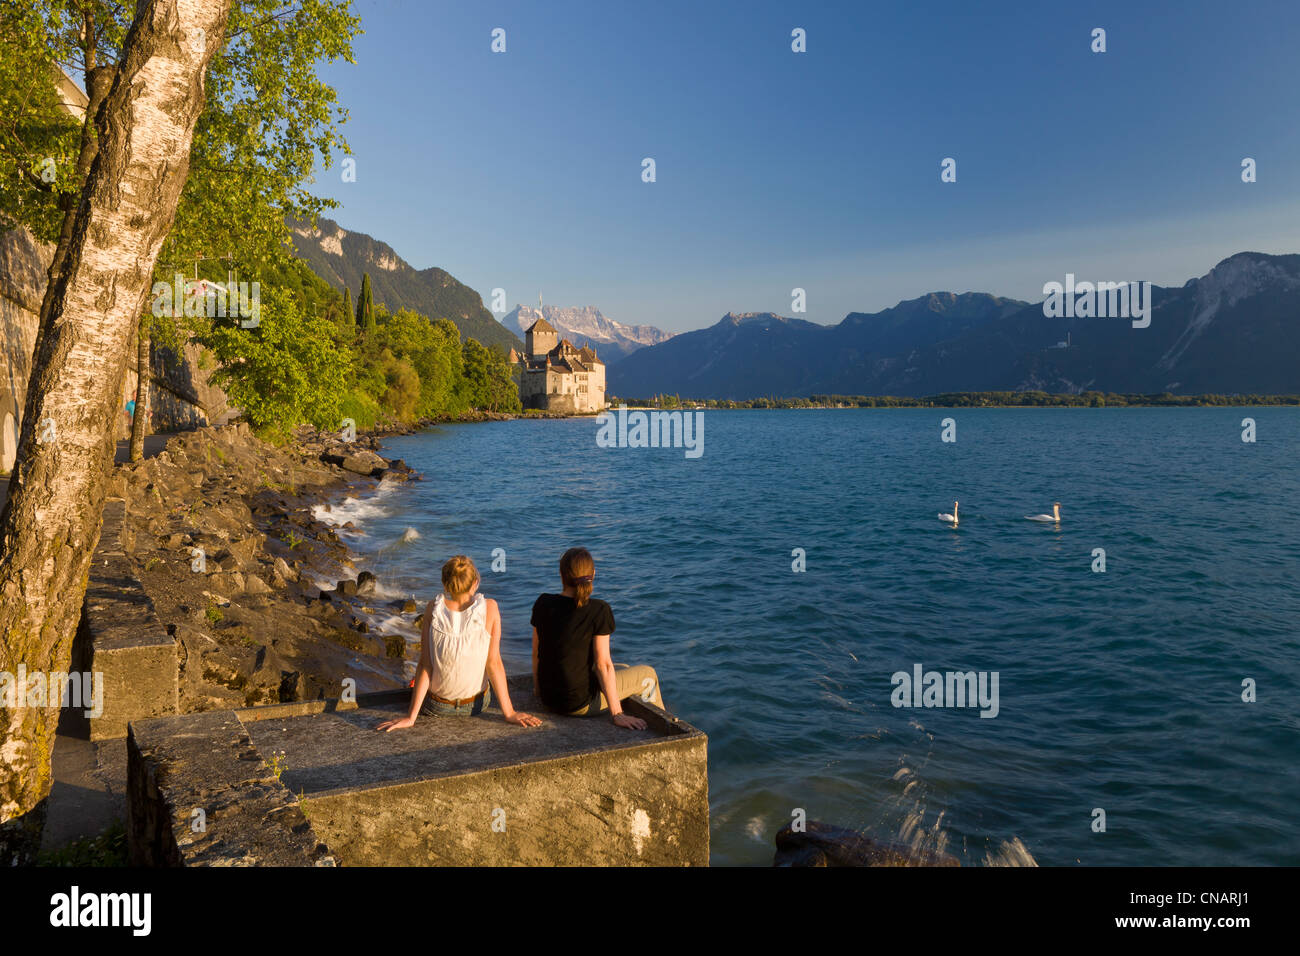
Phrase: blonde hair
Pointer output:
(576, 571)
(459, 575)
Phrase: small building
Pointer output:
(556, 376)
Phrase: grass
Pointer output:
(106, 849)
(213, 613)
(277, 764)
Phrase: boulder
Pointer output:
(282, 568)
(823, 844)
(255, 585)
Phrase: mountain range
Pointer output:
(613, 340)
(341, 258)
(1234, 330)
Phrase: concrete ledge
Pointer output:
(456, 791)
(121, 638)
(200, 794)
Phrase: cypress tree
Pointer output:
(366, 306)
(349, 310)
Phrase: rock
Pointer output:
(255, 585)
(361, 465)
(282, 568)
(346, 588)
(245, 550)
(366, 582)
(822, 844)
(291, 686)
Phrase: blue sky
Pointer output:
(820, 170)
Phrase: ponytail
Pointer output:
(577, 571)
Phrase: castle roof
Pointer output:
(541, 325)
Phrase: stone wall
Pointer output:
(180, 398)
(121, 640)
(454, 791)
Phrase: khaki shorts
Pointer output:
(637, 681)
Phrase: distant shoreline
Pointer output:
(976, 400)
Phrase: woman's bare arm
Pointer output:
(423, 678)
(496, 672)
(609, 685)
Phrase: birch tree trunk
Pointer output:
(51, 523)
(140, 418)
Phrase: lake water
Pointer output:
(1119, 690)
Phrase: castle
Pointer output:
(555, 376)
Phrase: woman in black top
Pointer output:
(572, 671)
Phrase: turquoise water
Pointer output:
(1118, 690)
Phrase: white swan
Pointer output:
(1055, 516)
(952, 518)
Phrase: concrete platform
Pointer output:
(121, 639)
(199, 794)
(477, 791)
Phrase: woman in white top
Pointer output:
(460, 653)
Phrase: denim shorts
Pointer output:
(436, 708)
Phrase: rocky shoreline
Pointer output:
(222, 532)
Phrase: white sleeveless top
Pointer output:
(458, 646)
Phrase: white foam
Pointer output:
(358, 510)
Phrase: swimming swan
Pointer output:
(952, 518)
(1055, 516)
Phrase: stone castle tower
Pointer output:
(540, 338)
(555, 376)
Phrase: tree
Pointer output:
(349, 310)
(286, 370)
(51, 523)
(366, 306)
(140, 417)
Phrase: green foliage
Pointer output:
(488, 382)
(361, 408)
(366, 307)
(39, 141)
(287, 370)
(106, 849)
(213, 613)
(401, 386)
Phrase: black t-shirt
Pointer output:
(566, 649)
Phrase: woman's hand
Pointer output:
(399, 724)
(524, 720)
(628, 721)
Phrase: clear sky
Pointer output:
(821, 170)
